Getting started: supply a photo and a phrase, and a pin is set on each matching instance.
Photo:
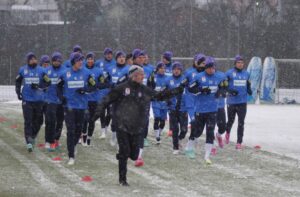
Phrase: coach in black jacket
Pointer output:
(131, 100)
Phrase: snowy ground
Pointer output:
(234, 173)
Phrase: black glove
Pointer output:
(80, 91)
(151, 82)
(220, 93)
(233, 92)
(122, 79)
(184, 82)
(249, 90)
(35, 86)
(20, 97)
(205, 91)
(194, 87)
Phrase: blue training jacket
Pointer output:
(160, 85)
(237, 80)
(221, 100)
(174, 82)
(74, 80)
(32, 75)
(54, 74)
(206, 103)
(96, 73)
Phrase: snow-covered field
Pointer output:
(248, 172)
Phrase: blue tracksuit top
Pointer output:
(221, 100)
(174, 82)
(73, 80)
(96, 73)
(32, 75)
(237, 80)
(147, 73)
(207, 103)
(150, 66)
(116, 72)
(54, 74)
(169, 70)
(160, 85)
(190, 74)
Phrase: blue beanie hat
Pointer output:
(56, 56)
(107, 51)
(159, 65)
(90, 55)
(29, 56)
(200, 58)
(238, 58)
(137, 52)
(44, 59)
(75, 57)
(77, 48)
(177, 65)
(119, 54)
(168, 55)
(209, 62)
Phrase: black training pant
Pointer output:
(128, 148)
(178, 120)
(241, 111)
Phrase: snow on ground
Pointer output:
(276, 128)
(248, 172)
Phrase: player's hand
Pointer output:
(80, 91)
(20, 97)
(205, 90)
(35, 86)
(233, 92)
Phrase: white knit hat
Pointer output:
(135, 69)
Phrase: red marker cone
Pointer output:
(57, 159)
(170, 133)
(87, 179)
(2, 119)
(41, 145)
(257, 147)
(13, 126)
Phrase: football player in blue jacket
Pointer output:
(159, 108)
(117, 74)
(93, 98)
(54, 106)
(238, 88)
(177, 107)
(35, 82)
(73, 87)
(208, 87)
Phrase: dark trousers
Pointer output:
(113, 119)
(74, 121)
(33, 119)
(202, 120)
(159, 123)
(54, 122)
(105, 117)
(145, 128)
(147, 121)
(221, 120)
(89, 124)
(178, 120)
(44, 110)
(241, 111)
(128, 148)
